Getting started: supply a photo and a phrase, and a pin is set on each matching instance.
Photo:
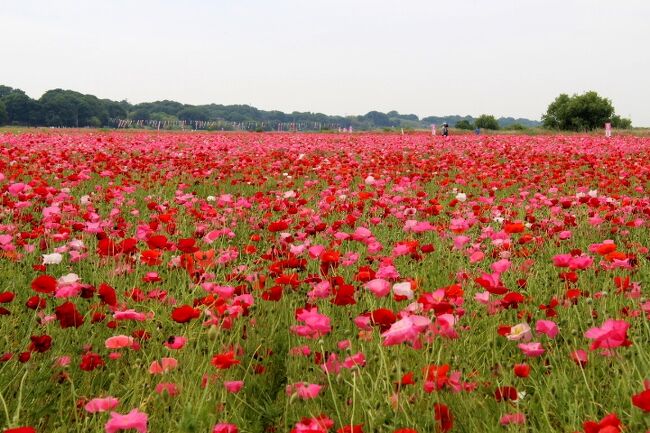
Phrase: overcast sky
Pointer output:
(428, 57)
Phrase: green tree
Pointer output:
(377, 119)
(69, 108)
(21, 109)
(192, 113)
(464, 124)
(579, 112)
(486, 121)
(3, 113)
(621, 122)
(5, 90)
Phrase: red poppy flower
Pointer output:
(44, 284)
(40, 343)
(443, 416)
(107, 295)
(35, 302)
(68, 316)
(6, 297)
(383, 317)
(20, 430)
(91, 361)
(609, 424)
(224, 361)
(278, 226)
(358, 428)
(185, 313)
(642, 400)
(522, 370)
(505, 393)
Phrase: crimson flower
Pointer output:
(185, 313)
(40, 343)
(443, 416)
(44, 284)
(68, 316)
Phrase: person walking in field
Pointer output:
(445, 129)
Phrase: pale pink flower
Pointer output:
(520, 332)
(403, 289)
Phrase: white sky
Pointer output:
(501, 57)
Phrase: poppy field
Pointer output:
(323, 283)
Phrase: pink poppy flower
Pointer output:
(133, 420)
(532, 350)
(547, 327)
(405, 330)
(101, 404)
(513, 418)
(303, 390)
(234, 386)
(118, 342)
(225, 428)
(379, 287)
(613, 333)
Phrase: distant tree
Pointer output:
(6, 90)
(69, 108)
(515, 127)
(620, 122)
(21, 109)
(3, 113)
(115, 110)
(192, 113)
(377, 119)
(579, 112)
(464, 124)
(486, 121)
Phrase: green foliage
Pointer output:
(464, 124)
(486, 121)
(60, 107)
(68, 108)
(3, 113)
(21, 109)
(583, 112)
(620, 122)
(515, 127)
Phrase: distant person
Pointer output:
(445, 130)
(477, 131)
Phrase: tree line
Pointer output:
(67, 108)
